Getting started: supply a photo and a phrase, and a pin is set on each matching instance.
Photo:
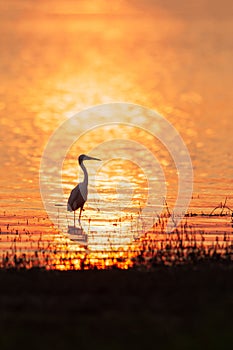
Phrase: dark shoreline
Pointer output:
(183, 307)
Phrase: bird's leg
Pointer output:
(74, 218)
(79, 219)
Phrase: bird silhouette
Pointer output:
(78, 196)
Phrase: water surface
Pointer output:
(57, 59)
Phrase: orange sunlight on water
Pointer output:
(60, 57)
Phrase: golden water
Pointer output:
(58, 58)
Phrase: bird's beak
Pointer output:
(91, 158)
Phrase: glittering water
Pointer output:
(57, 59)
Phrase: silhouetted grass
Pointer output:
(176, 293)
(25, 249)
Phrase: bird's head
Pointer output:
(83, 157)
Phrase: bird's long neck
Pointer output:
(85, 173)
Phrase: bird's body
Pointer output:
(76, 200)
(78, 195)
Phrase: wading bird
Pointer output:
(78, 195)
